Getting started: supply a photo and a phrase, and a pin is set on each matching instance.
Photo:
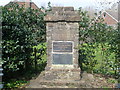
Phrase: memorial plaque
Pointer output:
(62, 46)
(62, 59)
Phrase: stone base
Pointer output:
(57, 77)
(87, 81)
(62, 74)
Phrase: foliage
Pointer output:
(116, 49)
(95, 45)
(87, 60)
(105, 61)
(39, 56)
(86, 54)
(22, 28)
(24, 46)
(1, 61)
(15, 84)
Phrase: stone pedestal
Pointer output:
(62, 43)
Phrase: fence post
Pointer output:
(1, 74)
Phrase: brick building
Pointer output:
(110, 18)
(25, 3)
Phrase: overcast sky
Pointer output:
(74, 3)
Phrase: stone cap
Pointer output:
(62, 14)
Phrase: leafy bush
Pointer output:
(39, 56)
(22, 28)
(95, 53)
(15, 84)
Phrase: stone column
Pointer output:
(62, 38)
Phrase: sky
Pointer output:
(75, 3)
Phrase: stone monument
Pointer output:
(62, 29)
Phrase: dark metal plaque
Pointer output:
(62, 46)
(62, 59)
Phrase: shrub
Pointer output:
(95, 45)
(22, 29)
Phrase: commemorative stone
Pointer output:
(62, 29)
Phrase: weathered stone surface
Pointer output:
(98, 82)
(62, 30)
(62, 9)
(62, 14)
(62, 18)
(63, 75)
(88, 77)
